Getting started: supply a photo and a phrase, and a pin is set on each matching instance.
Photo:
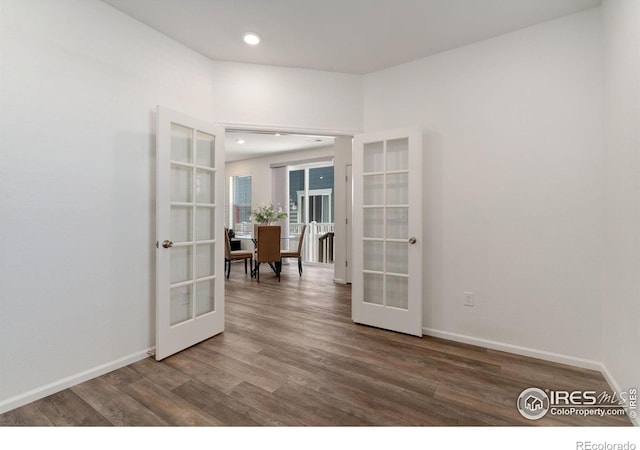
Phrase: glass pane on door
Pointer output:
(398, 154)
(373, 288)
(374, 157)
(373, 190)
(181, 144)
(181, 262)
(373, 256)
(373, 223)
(205, 260)
(205, 298)
(205, 186)
(181, 223)
(205, 150)
(205, 222)
(181, 304)
(397, 223)
(397, 189)
(397, 258)
(397, 291)
(181, 184)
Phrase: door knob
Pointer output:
(167, 244)
(412, 240)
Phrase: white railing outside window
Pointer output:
(318, 242)
(245, 228)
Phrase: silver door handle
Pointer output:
(167, 244)
(412, 240)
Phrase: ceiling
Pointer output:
(257, 144)
(349, 36)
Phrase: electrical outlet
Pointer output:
(468, 298)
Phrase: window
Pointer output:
(321, 194)
(311, 202)
(240, 201)
(317, 184)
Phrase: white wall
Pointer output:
(513, 184)
(278, 97)
(80, 84)
(621, 274)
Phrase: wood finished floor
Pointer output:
(291, 356)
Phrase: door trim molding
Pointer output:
(245, 126)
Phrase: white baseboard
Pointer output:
(533, 353)
(616, 387)
(57, 386)
(509, 348)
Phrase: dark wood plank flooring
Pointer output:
(290, 356)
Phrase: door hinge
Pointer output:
(346, 263)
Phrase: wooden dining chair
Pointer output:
(268, 248)
(298, 253)
(233, 255)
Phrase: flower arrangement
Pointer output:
(268, 213)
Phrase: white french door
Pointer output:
(387, 230)
(190, 227)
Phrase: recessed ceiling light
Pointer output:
(240, 141)
(251, 38)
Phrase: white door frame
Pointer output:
(349, 222)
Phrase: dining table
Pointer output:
(276, 267)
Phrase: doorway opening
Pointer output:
(273, 159)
